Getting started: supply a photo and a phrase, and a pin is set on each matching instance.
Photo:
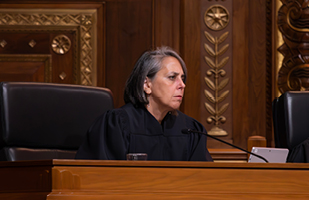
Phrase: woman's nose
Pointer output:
(182, 84)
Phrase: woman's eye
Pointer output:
(172, 77)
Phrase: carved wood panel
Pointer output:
(25, 67)
(66, 35)
(128, 35)
(216, 69)
(293, 25)
(25, 50)
(247, 70)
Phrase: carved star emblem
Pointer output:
(216, 17)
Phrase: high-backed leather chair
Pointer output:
(291, 124)
(47, 121)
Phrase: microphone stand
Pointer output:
(192, 131)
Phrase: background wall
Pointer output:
(227, 46)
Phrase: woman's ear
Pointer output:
(147, 86)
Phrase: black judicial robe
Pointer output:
(300, 153)
(134, 130)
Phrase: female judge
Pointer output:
(150, 121)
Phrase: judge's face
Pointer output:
(165, 91)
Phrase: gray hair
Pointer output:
(147, 66)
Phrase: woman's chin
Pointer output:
(176, 106)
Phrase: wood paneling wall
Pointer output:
(129, 32)
(251, 91)
(126, 28)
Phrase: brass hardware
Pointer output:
(216, 17)
(61, 44)
(32, 43)
(3, 43)
(216, 86)
(62, 76)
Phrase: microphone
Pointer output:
(187, 131)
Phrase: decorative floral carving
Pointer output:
(293, 23)
(61, 44)
(217, 93)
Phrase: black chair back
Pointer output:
(291, 124)
(45, 120)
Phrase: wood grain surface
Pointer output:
(90, 179)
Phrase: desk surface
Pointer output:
(167, 164)
(91, 179)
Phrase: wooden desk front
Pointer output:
(89, 179)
